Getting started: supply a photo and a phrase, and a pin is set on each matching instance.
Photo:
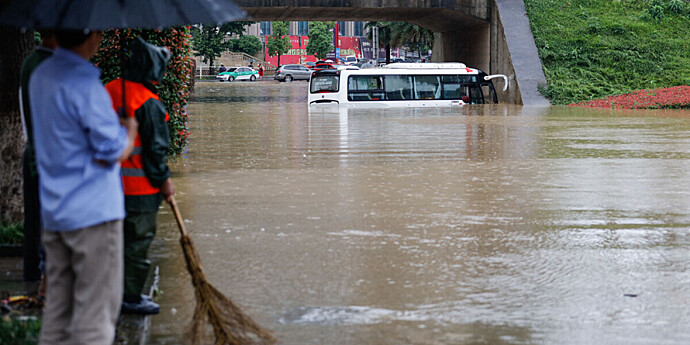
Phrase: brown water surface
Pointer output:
(468, 225)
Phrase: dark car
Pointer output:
(289, 73)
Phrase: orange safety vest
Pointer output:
(134, 180)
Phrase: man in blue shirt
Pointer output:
(79, 142)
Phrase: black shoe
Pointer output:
(145, 307)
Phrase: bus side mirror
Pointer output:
(505, 79)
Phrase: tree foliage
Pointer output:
(246, 44)
(177, 83)
(278, 43)
(320, 39)
(398, 34)
(209, 42)
(414, 36)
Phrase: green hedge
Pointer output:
(595, 48)
(15, 331)
(176, 86)
(12, 233)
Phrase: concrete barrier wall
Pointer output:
(515, 49)
(501, 63)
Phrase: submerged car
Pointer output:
(238, 73)
(292, 72)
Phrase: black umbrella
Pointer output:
(114, 14)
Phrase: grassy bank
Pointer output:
(591, 49)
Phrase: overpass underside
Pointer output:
(468, 31)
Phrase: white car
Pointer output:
(350, 60)
(238, 73)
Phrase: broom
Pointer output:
(230, 325)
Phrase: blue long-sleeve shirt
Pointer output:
(78, 139)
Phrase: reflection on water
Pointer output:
(469, 225)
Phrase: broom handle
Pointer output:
(178, 216)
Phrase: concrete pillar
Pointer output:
(501, 62)
(349, 28)
(469, 45)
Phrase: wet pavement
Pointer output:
(472, 225)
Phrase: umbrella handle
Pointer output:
(178, 216)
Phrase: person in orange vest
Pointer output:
(145, 175)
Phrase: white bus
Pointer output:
(404, 85)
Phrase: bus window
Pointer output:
(453, 91)
(365, 82)
(456, 91)
(457, 86)
(398, 87)
(427, 87)
(365, 88)
(325, 83)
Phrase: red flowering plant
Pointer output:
(665, 98)
(176, 85)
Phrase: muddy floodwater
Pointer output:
(486, 224)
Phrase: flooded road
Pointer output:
(469, 225)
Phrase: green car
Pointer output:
(238, 73)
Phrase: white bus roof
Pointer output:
(442, 65)
(404, 70)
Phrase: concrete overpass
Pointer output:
(492, 35)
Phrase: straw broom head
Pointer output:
(231, 326)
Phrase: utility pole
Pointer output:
(336, 45)
(375, 44)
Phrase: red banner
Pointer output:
(298, 53)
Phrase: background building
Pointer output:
(352, 41)
(351, 35)
(348, 29)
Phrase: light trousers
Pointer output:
(84, 285)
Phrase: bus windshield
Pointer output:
(325, 83)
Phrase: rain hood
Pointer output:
(147, 62)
